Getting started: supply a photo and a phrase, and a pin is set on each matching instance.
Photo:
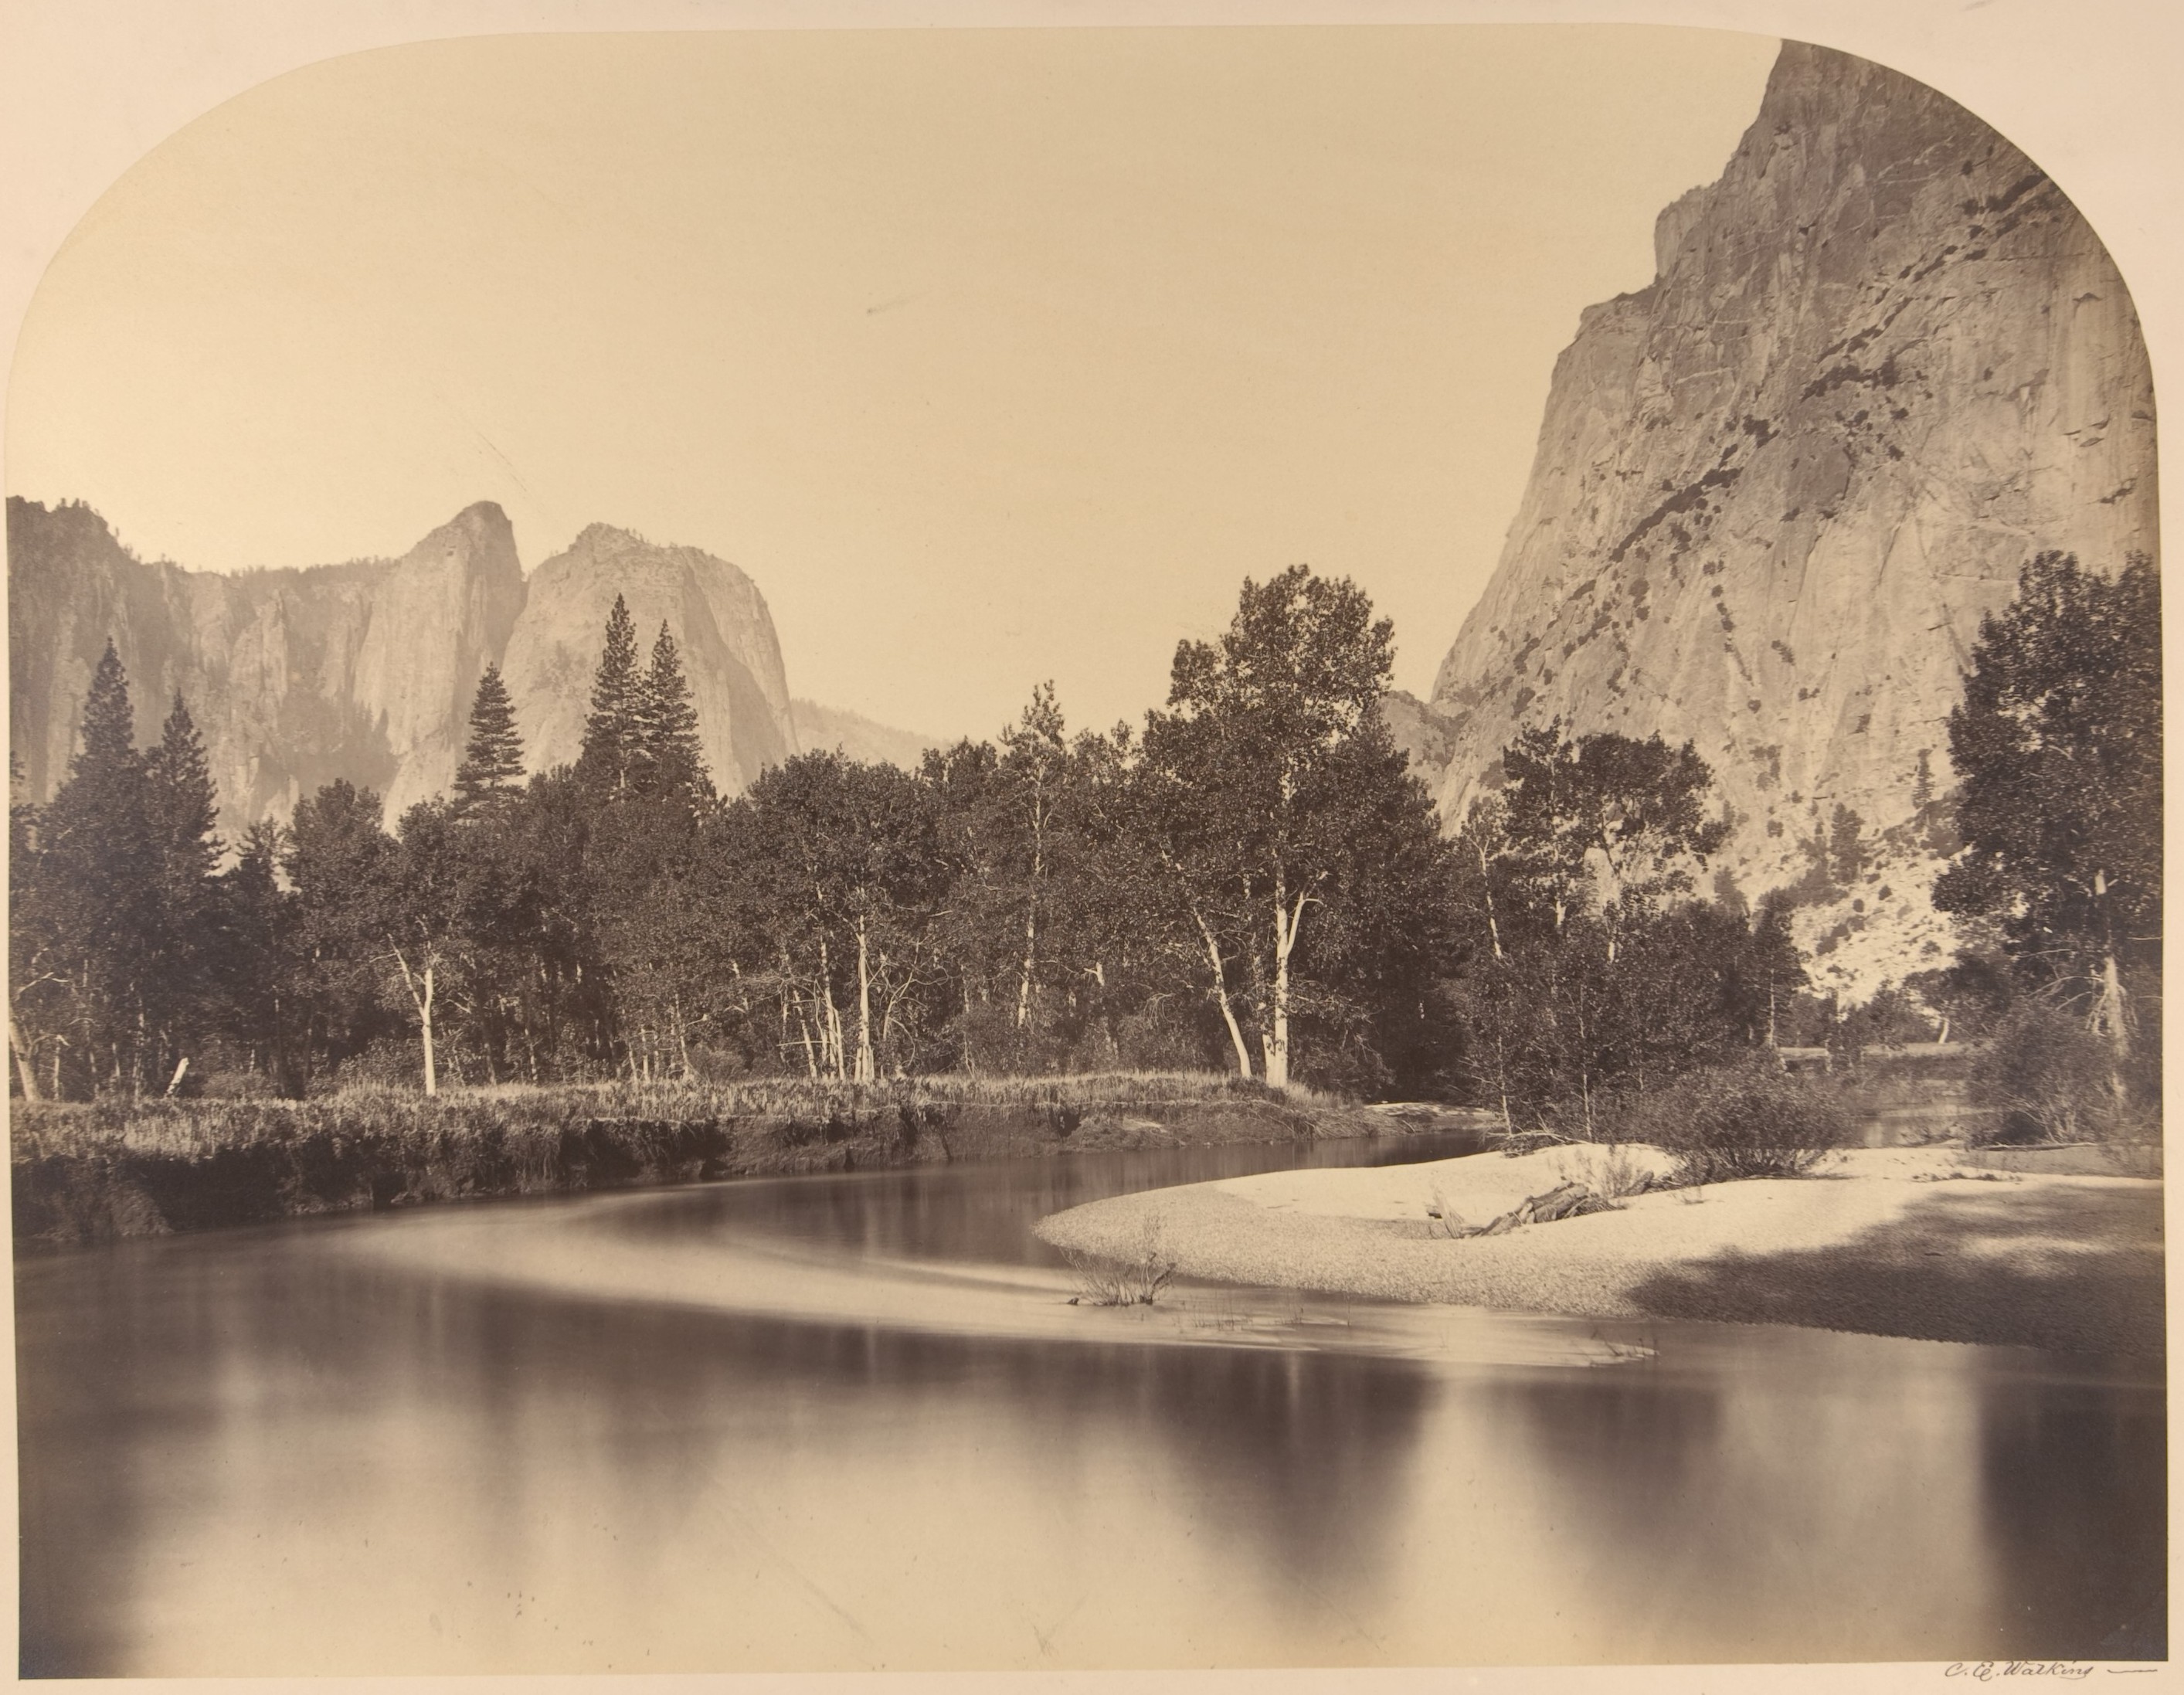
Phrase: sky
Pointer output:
(993, 356)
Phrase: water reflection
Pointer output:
(2074, 1486)
(266, 1453)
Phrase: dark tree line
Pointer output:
(1253, 880)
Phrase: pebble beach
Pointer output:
(1897, 1242)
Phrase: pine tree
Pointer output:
(669, 759)
(184, 806)
(610, 733)
(182, 939)
(492, 762)
(106, 751)
(100, 871)
(253, 974)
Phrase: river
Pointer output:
(851, 1423)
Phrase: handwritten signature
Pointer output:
(1986, 1670)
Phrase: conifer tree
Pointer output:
(183, 941)
(493, 761)
(99, 869)
(252, 977)
(669, 759)
(610, 733)
(184, 806)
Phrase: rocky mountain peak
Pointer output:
(366, 670)
(1884, 362)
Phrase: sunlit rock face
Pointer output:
(721, 625)
(366, 671)
(362, 671)
(1884, 362)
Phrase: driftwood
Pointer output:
(1569, 1199)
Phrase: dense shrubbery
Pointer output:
(2045, 1076)
(1748, 1120)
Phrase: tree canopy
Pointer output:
(2057, 746)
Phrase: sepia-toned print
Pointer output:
(1106, 848)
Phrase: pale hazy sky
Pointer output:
(992, 356)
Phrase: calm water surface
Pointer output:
(666, 1431)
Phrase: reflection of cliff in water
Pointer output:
(300, 1449)
(2075, 1480)
(1693, 1500)
(728, 1491)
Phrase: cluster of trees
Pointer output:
(2058, 746)
(1594, 971)
(1253, 879)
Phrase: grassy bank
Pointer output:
(89, 1172)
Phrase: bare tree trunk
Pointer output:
(23, 1067)
(1287, 921)
(681, 1037)
(421, 996)
(865, 1068)
(1030, 956)
(1221, 994)
(431, 1065)
(2110, 1017)
(1493, 925)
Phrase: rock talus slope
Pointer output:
(366, 671)
(1883, 362)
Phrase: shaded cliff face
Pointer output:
(366, 671)
(362, 671)
(719, 621)
(1883, 363)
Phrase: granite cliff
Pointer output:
(366, 670)
(718, 618)
(1883, 362)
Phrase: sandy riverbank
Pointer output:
(1904, 1242)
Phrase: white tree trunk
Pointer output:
(420, 986)
(22, 1060)
(432, 1063)
(866, 1069)
(1287, 921)
(1221, 994)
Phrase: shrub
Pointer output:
(1612, 1172)
(1752, 1119)
(1132, 1277)
(2045, 1077)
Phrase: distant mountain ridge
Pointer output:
(365, 669)
(821, 728)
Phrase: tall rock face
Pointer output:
(362, 671)
(719, 621)
(1884, 362)
(366, 671)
